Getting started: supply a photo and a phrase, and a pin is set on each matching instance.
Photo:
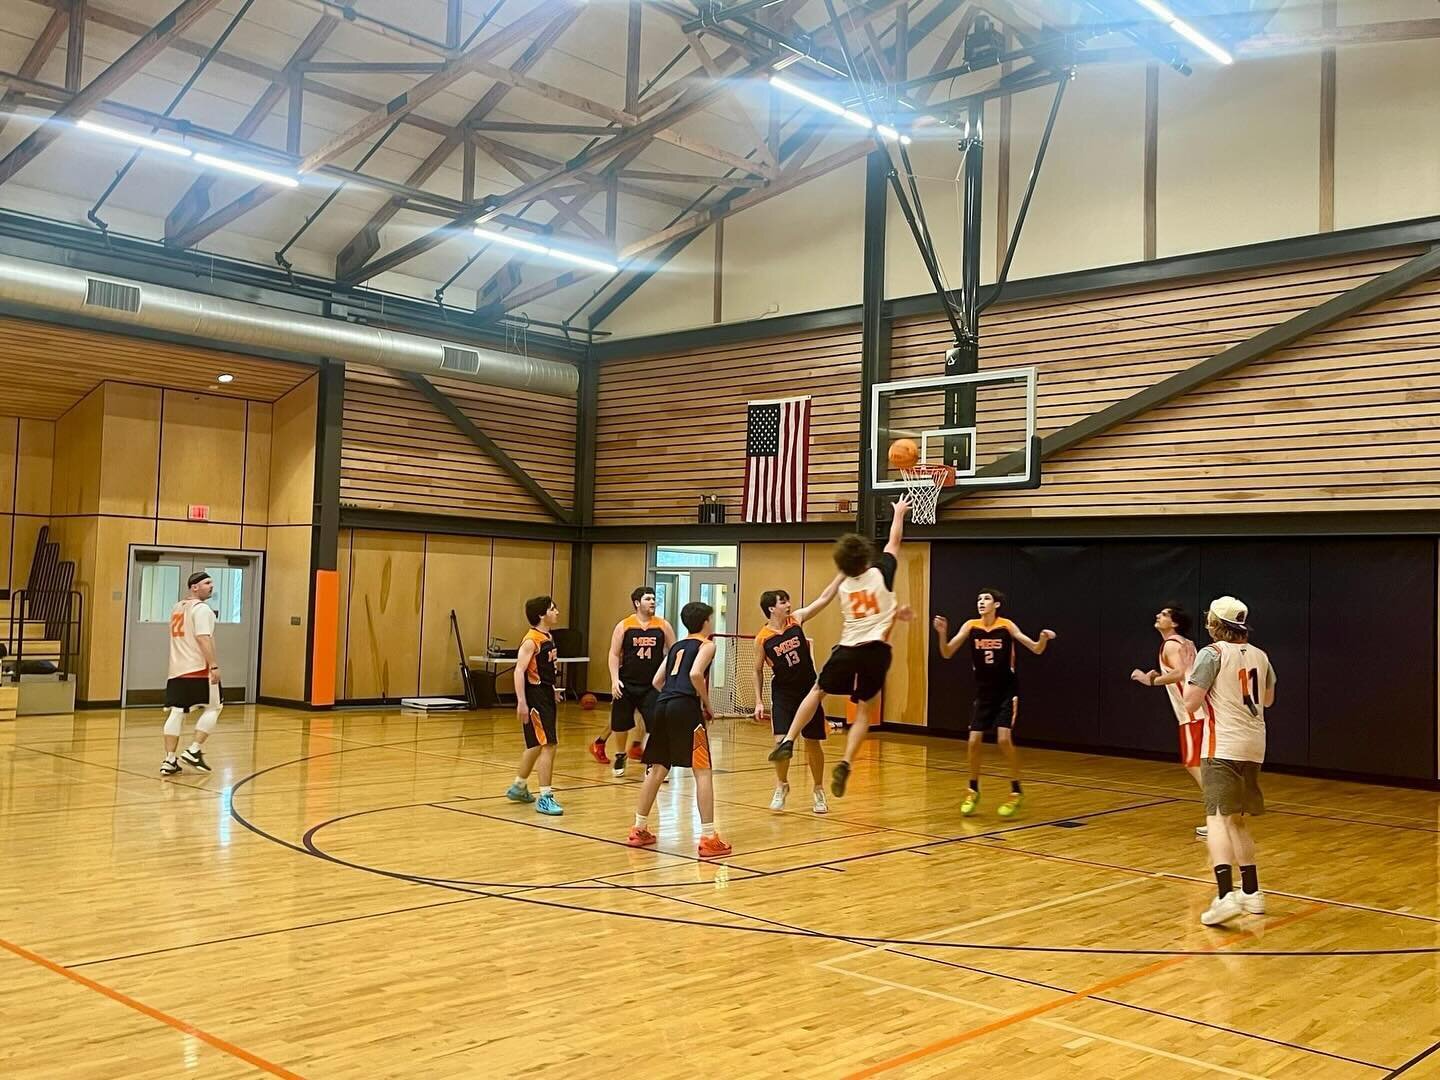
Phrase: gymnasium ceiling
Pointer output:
(644, 87)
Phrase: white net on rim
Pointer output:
(923, 484)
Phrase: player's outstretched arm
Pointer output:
(897, 525)
(1175, 674)
(821, 602)
(1036, 647)
(951, 647)
(697, 675)
(522, 663)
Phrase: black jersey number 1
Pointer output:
(1250, 689)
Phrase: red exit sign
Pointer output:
(199, 513)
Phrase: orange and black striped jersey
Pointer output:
(642, 650)
(992, 651)
(542, 670)
(787, 652)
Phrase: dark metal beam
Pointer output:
(875, 328)
(471, 431)
(354, 517)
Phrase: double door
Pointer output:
(157, 581)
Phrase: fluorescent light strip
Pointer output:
(134, 139)
(541, 249)
(837, 109)
(1183, 29)
(246, 170)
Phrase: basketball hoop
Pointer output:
(923, 483)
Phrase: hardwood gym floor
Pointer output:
(350, 895)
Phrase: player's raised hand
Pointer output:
(1048, 635)
(902, 505)
(904, 613)
(941, 625)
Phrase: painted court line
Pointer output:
(154, 1014)
(1012, 1019)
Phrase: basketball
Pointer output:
(903, 453)
(587, 701)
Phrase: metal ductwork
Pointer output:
(63, 291)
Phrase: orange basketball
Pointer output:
(587, 701)
(903, 453)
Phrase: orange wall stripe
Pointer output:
(324, 629)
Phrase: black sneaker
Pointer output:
(784, 750)
(839, 778)
(195, 759)
(169, 768)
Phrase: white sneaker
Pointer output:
(1202, 832)
(1253, 903)
(820, 805)
(1223, 909)
(777, 802)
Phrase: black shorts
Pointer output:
(540, 729)
(636, 697)
(857, 671)
(994, 712)
(195, 692)
(678, 738)
(783, 706)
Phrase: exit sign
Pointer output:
(199, 513)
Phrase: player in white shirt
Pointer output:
(858, 665)
(1231, 686)
(1177, 656)
(194, 675)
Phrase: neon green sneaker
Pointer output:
(1011, 806)
(971, 803)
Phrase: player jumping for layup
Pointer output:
(858, 665)
(997, 691)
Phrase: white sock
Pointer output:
(642, 821)
(520, 781)
(194, 748)
(707, 828)
(170, 756)
(547, 791)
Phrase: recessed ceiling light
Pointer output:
(225, 378)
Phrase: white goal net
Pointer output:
(732, 686)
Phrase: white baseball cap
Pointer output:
(1231, 611)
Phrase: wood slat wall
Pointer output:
(672, 428)
(400, 453)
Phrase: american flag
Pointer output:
(777, 459)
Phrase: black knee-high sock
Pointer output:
(1249, 879)
(1015, 787)
(1224, 880)
(974, 785)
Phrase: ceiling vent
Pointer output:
(464, 361)
(112, 295)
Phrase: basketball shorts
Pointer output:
(678, 737)
(637, 697)
(1191, 736)
(856, 671)
(784, 704)
(994, 712)
(540, 728)
(1231, 787)
(191, 692)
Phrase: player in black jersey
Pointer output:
(637, 649)
(678, 736)
(783, 646)
(535, 705)
(997, 691)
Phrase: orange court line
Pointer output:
(1051, 1006)
(154, 1014)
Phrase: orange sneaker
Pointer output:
(641, 837)
(712, 847)
(637, 751)
(597, 751)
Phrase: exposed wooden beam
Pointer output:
(632, 54)
(75, 48)
(508, 127)
(370, 67)
(1333, 36)
(364, 245)
(103, 85)
(556, 94)
(1152, 158)
(1328, 15)
(502, 151)
(295, 116)
(716, 153)
(467, 173)
(454, 15)
(693, 178)
(737, 109)
(193, 205)
(35, 59)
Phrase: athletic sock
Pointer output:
(521, 781)
(707, 828)
(1249, 879)
(1015, 787)
(547, 791)
(171, 756)
(642, 821)
(1224, 880)
(975, 786)
(194, 748)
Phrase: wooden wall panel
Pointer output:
(457, 577)
(400, 453)
(672, 427)
(130, 450)
(9, 452)
(259, 418)
(76, 537)
(560, 583)
(522, 569)
(292, 456)
(615, 571)
(197, 534)
(906, 686)
(768, 566)
(25, 532)
(203, 456)
(285, 643)
(386, 581)
(106, 602)
(76, 487)
(7, 540)
(34, 470)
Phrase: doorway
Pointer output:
(709, 573)
(156, 583)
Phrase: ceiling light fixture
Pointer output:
(1183, 29)
(224, 377)
(247, 170)
(541, 249)
(836, 109)
(134, 139)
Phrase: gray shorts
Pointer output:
(1231, 787)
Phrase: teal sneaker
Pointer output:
(548, 806)
(518, 792)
